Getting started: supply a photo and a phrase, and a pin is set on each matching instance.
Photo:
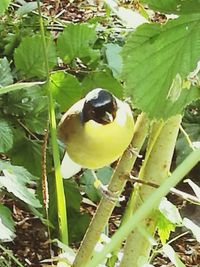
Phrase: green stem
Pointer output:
(155, 169)
(151, 203)
(116, 186)
(11, 256)
(61, 201)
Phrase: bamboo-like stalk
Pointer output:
(143, 211)
(156, 169)
(61, 202)
(116, 185)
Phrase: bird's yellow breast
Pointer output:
(94, 145)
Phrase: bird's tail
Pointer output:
(68, 167)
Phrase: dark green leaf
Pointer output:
(29, 56)
(5, 73)
(153, 57)
(174, 6)
(66, 89)
(77, 41)
(78, 224)
(30, 155)
(15, 180)
(102, 79)
(6, 224)
(6, 136)
(72, 194)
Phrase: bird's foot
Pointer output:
(112, 196)
(134, 151)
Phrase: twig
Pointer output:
(25, 128)
(183, 195)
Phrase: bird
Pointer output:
(96, 131)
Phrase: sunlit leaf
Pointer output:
(4, 5)
(174, 6)
(29, 56)
(170, 211)
(15, 180)
(66, 89)
(77, 41)
(6, 224)
(153, 57)
(165, 227)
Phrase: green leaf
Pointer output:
(174, 6)
(153, 56)
(78, 224)
(5, 72)
(72, 194)
(170, 211)
(29, 56)
(165, 227)
(66, 89)
(15, 180)
(4, 5)
(6, 136)
(30, 155)
(26, 8)
(77, 41)
(18, 86)
(171, 254)
(102, 79)
(195, 229)
(36, 120)
(6, 224)
(114, 58)
(87, 181)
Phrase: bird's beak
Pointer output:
(107, 117)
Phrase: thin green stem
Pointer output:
(61, 202)
(11, 256)
(147, 207)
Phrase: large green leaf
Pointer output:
(66, 89)
(77, 41)
(6, 224)
(102, 79)
(174, 6)
(5, 72)
(29, 56)
(6, 136)
(15, 180)
(155, 57)
(4, 5)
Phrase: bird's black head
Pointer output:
(100, 106)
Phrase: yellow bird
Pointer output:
(96, 130)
